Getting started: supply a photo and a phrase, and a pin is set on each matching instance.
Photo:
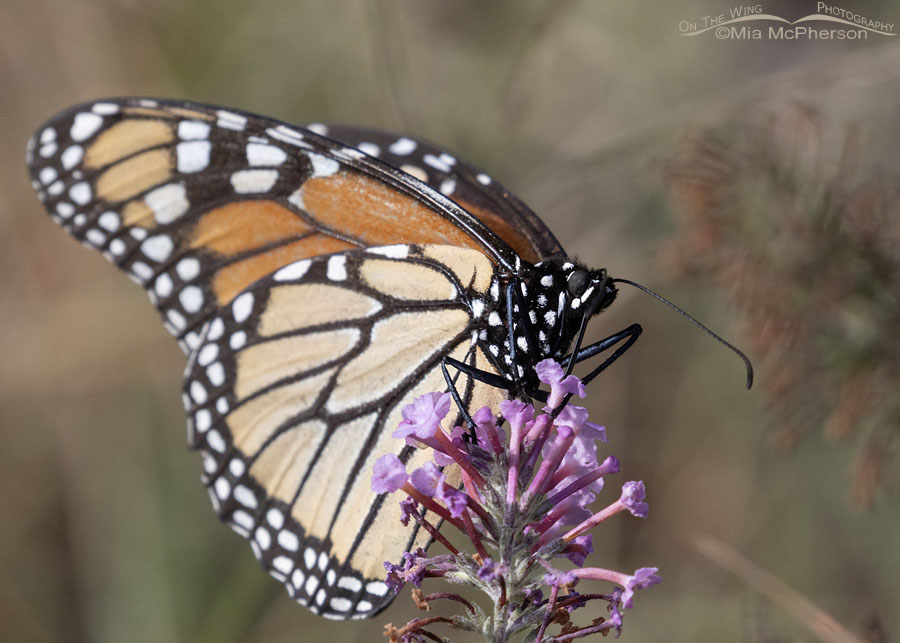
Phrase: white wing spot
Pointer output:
(193, 156)
(64, 209)
(415, 171)
(142, 270)
(222, 408)
(229, 120)
(242, 306)
(253, 181)
(238, 340)
(168, 202)
(48, 149)
(340, 604)
(393, 252)
(84, 126)
(483, 178)
(105, 108)
(215, 440)
(318, 128)
(263, 537)
(95, 237)
(288, 540)
(188, 268)
(197, 392)
(71, 156)
(402, 146)
(265, 154)
(47, 175)
(275, 518)
(369, 148)
(193, 130)
(292, 271)
(243, 519)
(207, 354)
(377, 587)
(236, 467)
(448, 186)
(117, 247)
(216, 374)
(350, 583)
(246, 497)
(163, 285)
(203, 420)
(283, 564)
(322, 165)
(48, 135)
(158, 248)
(109, 221)
(494, 319)
(216, 328)
(337, 268)
(80, 193)
(309, 557)
(223, 488)
(436, 162)
(191, 299)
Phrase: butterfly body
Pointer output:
(318, 279)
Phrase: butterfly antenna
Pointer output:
(684, 314)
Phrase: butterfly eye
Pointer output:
(578, 281)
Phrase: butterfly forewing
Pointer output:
(473, 189)
(196, 202)
(293, 396)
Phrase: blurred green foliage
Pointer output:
(106, 533)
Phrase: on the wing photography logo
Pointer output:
(752, 22)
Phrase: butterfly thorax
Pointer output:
(550, 300)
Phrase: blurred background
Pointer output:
(755, 183)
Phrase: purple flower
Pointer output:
(549, 372)
(394, 578)
(632, 498)
(486, 429)
(576, 417)
(426, 479)
(642, 579)
(422, 418)
(490, 570)
(389, 474)
(579, 549)
(455, 501)
(534, 595)
(518, 414)
(557, 577)
(407, 508)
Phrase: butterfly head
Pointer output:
(589, 291)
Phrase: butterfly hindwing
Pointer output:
(295, 390)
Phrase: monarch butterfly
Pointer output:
(318, 279)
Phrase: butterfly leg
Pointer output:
(629, 335)
(491, 379)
